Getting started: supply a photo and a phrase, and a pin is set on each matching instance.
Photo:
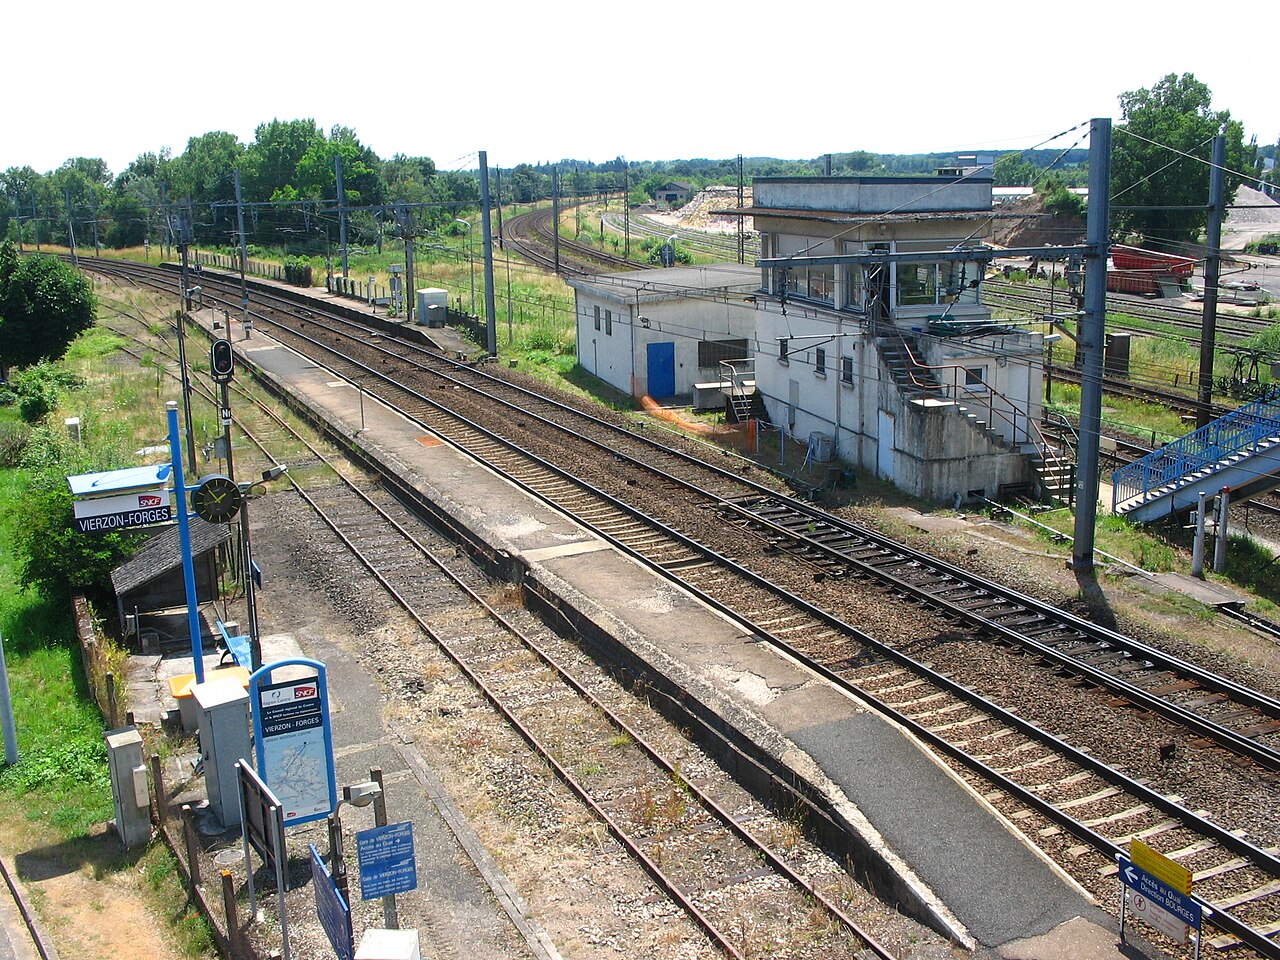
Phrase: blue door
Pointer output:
(662, 369)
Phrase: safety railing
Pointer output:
(1245, 430)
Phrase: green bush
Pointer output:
(38, 387)
(13, 443)
(297, 271)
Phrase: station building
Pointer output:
(866, 331)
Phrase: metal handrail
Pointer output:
(1042, 443)
(1248, 428)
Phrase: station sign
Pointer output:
(1158, 893)
(1168, 872)
(387, 862)
(293, 739)
(121, 499)
(334, 911)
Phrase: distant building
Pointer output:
(864, 326)
(672, 194)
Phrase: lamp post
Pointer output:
(471, 263)
(251, 602)
(357, 795)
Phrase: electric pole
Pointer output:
(244, 284)
(342, 211)
(184, 240)
(94, 197)
(742, 238)
(1212, 269)
(555, 217)
(497, 174)
(491, 314)
(71, 230)
(1092, 326)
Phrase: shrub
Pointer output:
(297, 271)
(38, 387)
(13, 443)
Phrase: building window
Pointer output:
(935, 283)
(846, 369)
(917, 283)
(820, 361)
(783, 350)
(597, 316)
(975, 378)
(608, 323)
(854, 292)
(711, 352)
(822, 284)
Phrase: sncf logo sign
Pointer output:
(301, 693)
(149, 500)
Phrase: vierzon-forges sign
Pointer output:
(119, 499)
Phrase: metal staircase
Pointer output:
(1240, 450)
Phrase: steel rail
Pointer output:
(718, 813)
(1222, 919)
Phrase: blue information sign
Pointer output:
(334, 913)
(387, 863)
(1158, 893)
(294, 740)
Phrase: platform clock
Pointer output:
(216, 498)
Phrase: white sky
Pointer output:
(645, 81)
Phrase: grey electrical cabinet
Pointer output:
(222, 709)
(129, 790)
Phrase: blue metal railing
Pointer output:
(1241, 430)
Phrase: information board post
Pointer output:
(262, 828)
(390, 914)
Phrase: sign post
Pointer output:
(294, 740)
(262, 828)
(334, 911)
(1169, 910)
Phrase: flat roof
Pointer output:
(647, 286)
(845, 217)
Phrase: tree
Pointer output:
(44, 305)
(1173, 116)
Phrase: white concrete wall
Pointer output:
(621, 359)
(934, 452)
(872, 194)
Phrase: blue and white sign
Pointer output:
(294, 741)
(119, 499)
(1160, 894)
(387, 862)
(332, 909)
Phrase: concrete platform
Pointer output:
(946, 856)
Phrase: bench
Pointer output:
(235, 646)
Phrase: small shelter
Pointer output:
(153, 580)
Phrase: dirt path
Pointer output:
(91, 900)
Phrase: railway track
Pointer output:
(532, 236)
(715, 863)
(1090, 795)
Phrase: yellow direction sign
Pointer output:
(1159, 866)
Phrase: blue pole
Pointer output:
(184, 537)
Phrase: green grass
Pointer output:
(61, 777)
